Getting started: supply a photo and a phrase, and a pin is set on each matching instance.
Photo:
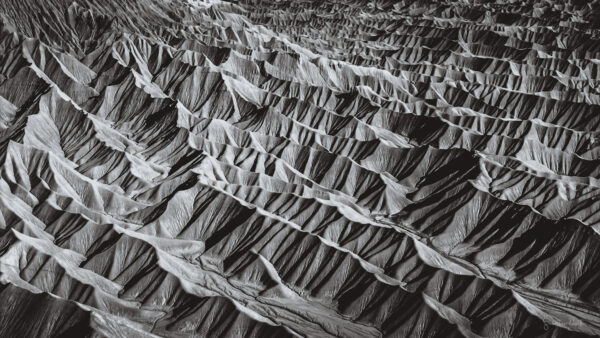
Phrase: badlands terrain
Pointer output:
(275, 168)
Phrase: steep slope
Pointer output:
(279, 168)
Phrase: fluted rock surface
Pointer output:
(313, 168)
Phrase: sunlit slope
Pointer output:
(273, 168)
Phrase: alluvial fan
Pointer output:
(274, 168)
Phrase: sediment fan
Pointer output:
(299, 168)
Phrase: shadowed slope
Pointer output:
(206, 168)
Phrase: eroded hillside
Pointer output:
(278, 168)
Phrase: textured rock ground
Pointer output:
(277, 168)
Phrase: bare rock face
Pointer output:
(274, 168)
